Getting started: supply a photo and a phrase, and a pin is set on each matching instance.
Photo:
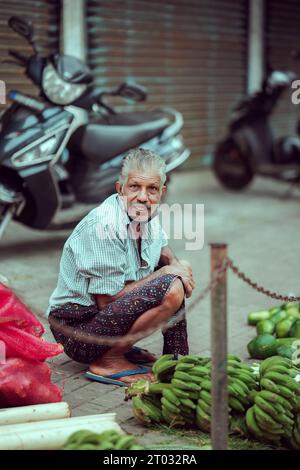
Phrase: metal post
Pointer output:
(255, 45)
(73, 40)
(219, 424)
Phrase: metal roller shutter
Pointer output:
(45, 17)
(189, 54)
(282, 36)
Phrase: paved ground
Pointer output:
(262, 230)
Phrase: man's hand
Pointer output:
(183, 269)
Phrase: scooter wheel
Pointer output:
(231, 167)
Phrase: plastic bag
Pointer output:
(20, 330)
(24, 382)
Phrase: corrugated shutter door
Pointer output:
(282, 37)
(189, 54)
(45, 18)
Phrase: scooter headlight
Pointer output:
(57, 90)
(43, 152)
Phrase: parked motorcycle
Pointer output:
(56, 161)
(250, 148)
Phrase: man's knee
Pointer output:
(174, 297)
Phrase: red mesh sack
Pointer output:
(24, 382)
(20, 330)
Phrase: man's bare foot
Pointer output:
(109, 364)
(137, 355)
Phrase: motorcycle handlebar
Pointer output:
(22, 59)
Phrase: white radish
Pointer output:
(27, 414)
(53, 434)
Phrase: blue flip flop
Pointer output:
(111, 379)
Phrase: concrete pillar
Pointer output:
(255, 45)
(73, 40)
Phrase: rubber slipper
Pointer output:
(112, 378)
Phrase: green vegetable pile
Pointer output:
(277, 331)
(264, 401)
(107, 440)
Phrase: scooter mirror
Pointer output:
(22, 27)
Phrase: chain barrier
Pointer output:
(255, 286)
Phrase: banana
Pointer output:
(278, 368)
(286, 392)
(284, 420)
(296, 435)
(180, 393)
(161, 360)
(206, 384)
(264, 419)
(240, 384)
(193, 386)
(145, 412)
(236, 391)
(205, 407)
(184, 367)
(275, 398)
(194, 395)
(201, 371)
(265, 406)
(231, 357)
(170, 406)
(269, 385)
(182, 376)
(188, 403)
(194, 378)
(206, 396)
(283, 379)
(235, 404)
(274, 360)
(185, 385)
(202, 419)
(252, 424)
(179, 384)
(170, 395)
(124, 443)
(164, 368)
(190, 359)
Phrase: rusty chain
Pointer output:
(255, 286)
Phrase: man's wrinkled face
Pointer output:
(141, 194)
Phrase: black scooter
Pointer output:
(250, 148)
(61, 154)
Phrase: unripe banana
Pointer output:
(170, 406)
(252, 424)
(171, 396)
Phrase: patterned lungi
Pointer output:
(115, 319)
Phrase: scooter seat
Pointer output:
(136, 118)
(100, 142)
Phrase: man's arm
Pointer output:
(103, 299)
(167, 257)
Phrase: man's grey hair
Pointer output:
(143, 160)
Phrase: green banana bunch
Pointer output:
(164, 367)
(277, 375)
(87, 440)
(146, 410)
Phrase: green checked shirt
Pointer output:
(99, 257)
